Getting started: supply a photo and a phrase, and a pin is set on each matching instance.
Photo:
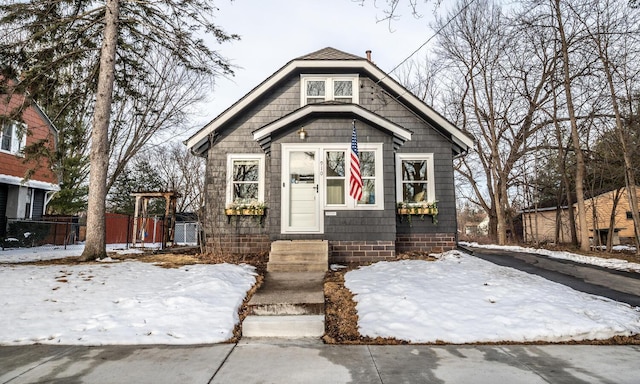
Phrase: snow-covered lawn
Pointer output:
(51, 252)
(456, 299)
(462, 299)
(121, 303)
(611, 263)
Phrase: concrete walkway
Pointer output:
(310, 361)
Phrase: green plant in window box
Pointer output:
(422, 208)
(244, 207)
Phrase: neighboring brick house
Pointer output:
(20, 198)
(541, 225)
(287, 144)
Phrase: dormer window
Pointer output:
(318, 89)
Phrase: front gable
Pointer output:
(322, 64)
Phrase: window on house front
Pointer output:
(245, 178)
(12, 136)
(414, 178)
(336, 178)
(368, 172)
(317, 89)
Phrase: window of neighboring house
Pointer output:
(317, 89)
(245, 178)
(12, 137)
(414, 178)
(336, 178)
(630, 216)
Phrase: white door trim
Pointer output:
(318, 226)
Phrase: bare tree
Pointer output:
(165, 98)
(612, 29)
(183, 172)
(564, 43)
(502, 87)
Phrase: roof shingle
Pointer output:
(329, 53)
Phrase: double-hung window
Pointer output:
(414, 178)
(336, 178)
(245, 178)
(317, 89)
(12, 136)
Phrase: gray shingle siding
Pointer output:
(355, 225)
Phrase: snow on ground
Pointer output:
(456, 299)
(51, 252)
(621, 265)
(121, 303)
(462, 299)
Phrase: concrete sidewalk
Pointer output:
(310, 361)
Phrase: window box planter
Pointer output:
(256, 210)
(418, 211)
(244, 211)
(407, 210)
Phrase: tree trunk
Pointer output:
(95, 245)
(580, 165)
(612, 219)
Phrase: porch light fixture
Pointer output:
(302, 133)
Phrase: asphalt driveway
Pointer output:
(617, 285)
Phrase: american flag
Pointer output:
(355, 183)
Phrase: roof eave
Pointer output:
(312, 109)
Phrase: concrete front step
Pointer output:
(295, 326)
(298, 256)
(286, 309)
(285, 245)
(288, 304)
(285, 266)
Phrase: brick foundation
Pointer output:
(361, 251)
(239, 244)
(425, 242)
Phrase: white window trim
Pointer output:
(431, 187)
(19, 140)
(350, 203)
(328, 80)
(261, 173)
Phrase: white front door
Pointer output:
(300, 190)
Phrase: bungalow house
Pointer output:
(22, 198)
(279, 164)
(541, 225)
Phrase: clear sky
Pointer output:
(273, 32)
